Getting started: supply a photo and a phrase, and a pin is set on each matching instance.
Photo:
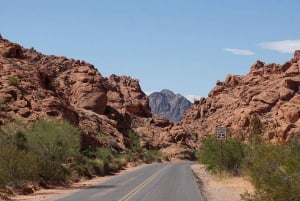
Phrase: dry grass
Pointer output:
(224, 188)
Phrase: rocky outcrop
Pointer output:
(269, 92)
(169, 105)
(126, 95)
(34, 86)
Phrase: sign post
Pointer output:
(221, 135)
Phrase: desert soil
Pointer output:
(221, 188)
(213, 187)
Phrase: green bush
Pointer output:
(135, 145)
(17, 166)
(49, 151)
(234, 154)
(275, 171)
(105, 155)
(89, 167)
(132, 156)
(153, 156)
(231, 158)
(100, 161)
(13, 81)
(209, 154)
(54, 142)
(114, 165)
(90, 152)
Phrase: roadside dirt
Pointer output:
(52, 194)
(224, 188)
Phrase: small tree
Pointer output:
(54, 143)
(17, 166)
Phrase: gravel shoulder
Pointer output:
(224, 188)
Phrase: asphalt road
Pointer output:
(156, 182)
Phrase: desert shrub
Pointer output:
(132, 156)
(105, 155)
(275, 171)
(111, 161)
(17, 166)
(134, 140)
(20, 140)
(114, 165)
(54, 142)
(209, 154)
(234, 154)
(122, 159)
(100, 161)
(152, 156)
(98, 167)
(13, 81)
(256, 129)
(231, 160)
(90, 152)
(89, 167)
(134, 151)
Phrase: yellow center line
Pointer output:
(141, 186)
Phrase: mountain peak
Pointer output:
(168, 104)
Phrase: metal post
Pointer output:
(221, 135)
(221, 158)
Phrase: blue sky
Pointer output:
(181, 45)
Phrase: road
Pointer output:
(155, 182)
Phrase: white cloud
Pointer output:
(283, 46)
(192, 97)
(239, 51)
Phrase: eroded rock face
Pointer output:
(10, 50)
(34, 86)
(126, 95)
(269, 91)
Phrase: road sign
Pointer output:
(221, 133)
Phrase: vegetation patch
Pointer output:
(274, 169)
(230, 159)
(50, 151)
(13, 81)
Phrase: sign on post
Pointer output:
(221, 133)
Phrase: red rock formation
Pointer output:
(126, 95)
(269, 91)
(34, 86)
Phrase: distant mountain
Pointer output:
(169, 105)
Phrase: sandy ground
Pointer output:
(213, 187)
(224, 188)
(52, 194)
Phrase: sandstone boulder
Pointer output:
(292, 70)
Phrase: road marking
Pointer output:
(141, 186)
